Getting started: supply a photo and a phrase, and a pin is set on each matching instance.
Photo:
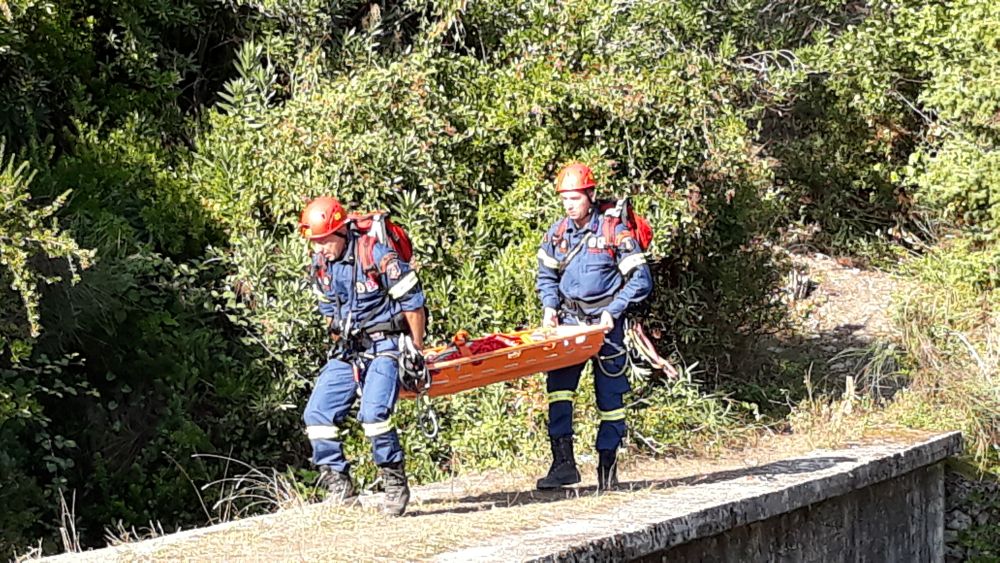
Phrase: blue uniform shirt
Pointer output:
(366, 299)
(595, 279)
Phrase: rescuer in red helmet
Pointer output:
(590, 270)
(374, 304)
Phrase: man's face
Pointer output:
(332, 245)
(576, 204)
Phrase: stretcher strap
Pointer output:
(643, 356)
(637, 341)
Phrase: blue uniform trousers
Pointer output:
(610, 383)
(334, 395)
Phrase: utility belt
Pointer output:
(368, 340)
(577, 308)
(357, 344)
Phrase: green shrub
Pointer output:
(950, 327)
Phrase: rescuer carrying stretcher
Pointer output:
(374, 305)
(591, 268)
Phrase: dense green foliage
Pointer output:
(189, 134)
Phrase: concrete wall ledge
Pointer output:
(876, 501)
(723, 501)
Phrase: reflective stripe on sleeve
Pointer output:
(404, 285)
(373, 429)
(631, 262)
(547, 261)
(320, 295)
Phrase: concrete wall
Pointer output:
(899, 520)
(878, 502)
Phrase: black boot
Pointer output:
(563, 470)
(397, 490)
(339, 487)
(607, 470)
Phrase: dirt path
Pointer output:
(840, 326)
(845, 300)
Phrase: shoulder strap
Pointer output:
(560, 231)
(366, 254)
(564, 263)
(613, 217)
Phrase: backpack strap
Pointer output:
(557, 238)
(317, 271)
(560, 231)
(564, 263)
(613, 217)
(378, 230)
(366, 255)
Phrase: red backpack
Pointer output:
(615, 212)
(379, 227)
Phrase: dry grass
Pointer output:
(846, 297)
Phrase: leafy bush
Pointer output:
(894, 122)
(34, 252)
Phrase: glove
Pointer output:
(607, 321)
(549, 318)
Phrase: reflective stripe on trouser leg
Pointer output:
(323, 432)
(378, 398)
(611, 416)
(561, 386)
(611, 391)
(556, 396)
(373, 429)
(329, 403)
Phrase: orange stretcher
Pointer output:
(470, 363)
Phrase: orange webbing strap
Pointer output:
(461, 343)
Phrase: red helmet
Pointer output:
(575, 177)
(321, 217)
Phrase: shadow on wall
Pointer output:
(508, 499)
